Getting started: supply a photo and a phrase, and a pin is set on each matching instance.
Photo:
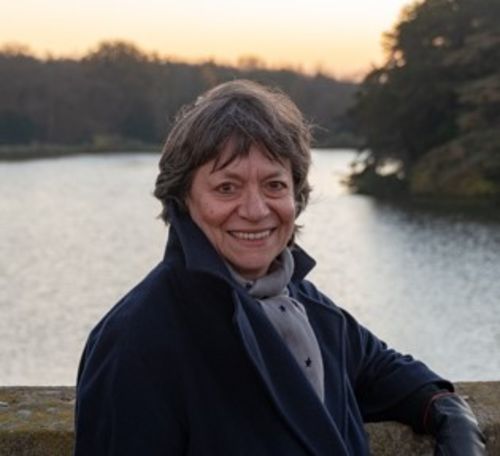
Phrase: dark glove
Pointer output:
(454, 426)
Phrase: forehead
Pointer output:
(255, 159)
(236, 150)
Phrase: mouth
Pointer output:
(251, 235)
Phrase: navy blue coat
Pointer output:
(187, 364)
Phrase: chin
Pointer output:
(252, 271)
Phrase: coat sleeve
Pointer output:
(383, 377)
(125, 405)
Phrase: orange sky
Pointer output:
(339, 37)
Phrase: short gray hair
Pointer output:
(245, 112)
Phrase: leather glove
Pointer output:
(454, 426)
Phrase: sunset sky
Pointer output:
(339, 37)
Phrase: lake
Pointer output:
(77, 233)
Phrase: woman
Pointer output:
(225, 348)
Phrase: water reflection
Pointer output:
(77, 233)
(426, 281)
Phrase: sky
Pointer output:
(342, 38)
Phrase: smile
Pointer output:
(245, 235)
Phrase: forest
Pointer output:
(430, 116)
(118, 96)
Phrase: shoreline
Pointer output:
(39, 151)
(14, 153)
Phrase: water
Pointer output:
(76, 233)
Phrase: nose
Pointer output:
(253, 206)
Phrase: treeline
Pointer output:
(118, 94)
(433, 110)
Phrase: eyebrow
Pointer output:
(237, 176)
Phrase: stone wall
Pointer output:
(38, 421)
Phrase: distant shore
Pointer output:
(22, 152)
(36, 151)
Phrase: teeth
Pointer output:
(251, 236)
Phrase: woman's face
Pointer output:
(246, 209)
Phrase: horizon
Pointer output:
(336, 39)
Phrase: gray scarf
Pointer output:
(289, 318)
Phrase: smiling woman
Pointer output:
(225, 348)
(246, 208)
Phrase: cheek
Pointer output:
(205, 213)
(287, 211)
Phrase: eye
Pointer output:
(276, 186)
(226, 188)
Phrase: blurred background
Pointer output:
(404, 221)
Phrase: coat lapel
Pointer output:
(329, 327)
(291, 392)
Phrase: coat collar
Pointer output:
(186, 238)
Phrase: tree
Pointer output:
(119, 95)
(441, 79)
(15, 128)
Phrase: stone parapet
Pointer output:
(38, 421)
